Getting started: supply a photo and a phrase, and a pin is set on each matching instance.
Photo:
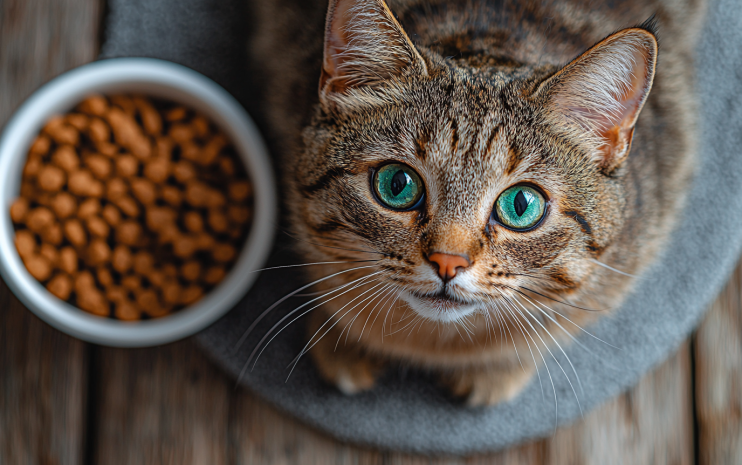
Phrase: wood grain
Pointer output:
(718, 351)
(165, 405)
(43, 373)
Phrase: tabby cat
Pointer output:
(478, 179)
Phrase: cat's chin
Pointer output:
(439, 308)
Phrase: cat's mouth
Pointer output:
(438, 307)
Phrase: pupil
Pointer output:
(399, 182)
(520, 203)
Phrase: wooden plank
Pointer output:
(43, 373)
(718, 351)
(165, 405)
(652, 423)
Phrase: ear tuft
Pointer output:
(364, 46)
(597, 98)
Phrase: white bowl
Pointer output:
(156, 78)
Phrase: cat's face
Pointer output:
(464, 187)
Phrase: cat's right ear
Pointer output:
(365, 46)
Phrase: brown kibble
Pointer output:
(38, 266)
(49, 252)
(51, 178)
(218, 221)
(94, 105)
(239, 215)
(191, 294)
(128, 232)
(164, 147)
(226, 166)
(88, 208)
(126, 166)
(156, 277)
(98, 131)
(25, 243)
(107, 149)
(122, 259)
(116, 189)
(147, 300)
(92, 300)
(143, 190)
(116, 294)
(74, 232)
(83, 183)
(160, 217)
(105, 278)
(240, 191)
(190, 271)
(171, 292)
(128, 205)
(125, 103)
(126, 311)
(84, 281)
(98, 253)
(181, 133)
(151, 119)
(200, 126)
(204, 241)
(111, 214)
(61, 132)
(144, 263)
(224, 252)
(190, 151)
(214, 275)
(40, 145)
(77, 121)
(193, 222)
(214, 198)
(196, 193)
(184, 171)
(132, 282)
(68, 260)
(39, 219)
(157, 170)
(98, 227)
(184, 246)
(127, 132)
(99, 165)
(171, 195)
(19, 210)
(64, 205)
(28, 190)
(53, 234)
(60, 286)
(168, 234)
(33, 166)
(212, 149)
(176, 114)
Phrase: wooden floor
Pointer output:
(66, 402)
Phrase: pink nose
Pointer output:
(448, 264)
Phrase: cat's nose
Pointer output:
(448, 264)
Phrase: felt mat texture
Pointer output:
(407, 411)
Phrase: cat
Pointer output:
(477, 179)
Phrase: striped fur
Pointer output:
(476, 96)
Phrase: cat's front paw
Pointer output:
(344, 365)
(484, 387)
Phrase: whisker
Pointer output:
(386, 297)
(551, 298)
(311, 264)
(281, 300)
(611, 268)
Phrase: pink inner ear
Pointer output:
(336, 40)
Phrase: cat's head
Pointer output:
(463, 184)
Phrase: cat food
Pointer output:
(131, 208)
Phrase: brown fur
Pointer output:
(480, 102)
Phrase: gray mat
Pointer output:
(407, 412)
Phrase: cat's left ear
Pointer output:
(597, 97)
(364, 47)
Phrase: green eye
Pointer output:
(520, 207)
(398, 186)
